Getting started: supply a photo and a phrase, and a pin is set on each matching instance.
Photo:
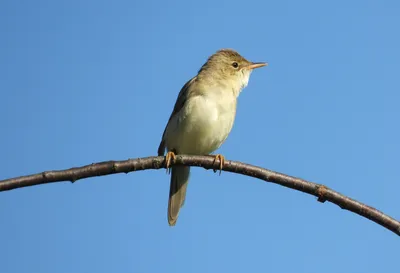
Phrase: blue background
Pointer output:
(88, 81)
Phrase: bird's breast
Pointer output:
(203, 125)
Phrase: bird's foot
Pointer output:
(169, 156)
(221, 159)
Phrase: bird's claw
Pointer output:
(169, 156)
(221, 159)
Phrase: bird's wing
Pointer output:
(180, 102)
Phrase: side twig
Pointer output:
(157, 162)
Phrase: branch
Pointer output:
(157, 162)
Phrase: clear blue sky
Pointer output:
(88, 81)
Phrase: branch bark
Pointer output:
(157, 162)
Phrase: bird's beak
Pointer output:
(256, 65)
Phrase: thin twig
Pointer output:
(157, 162)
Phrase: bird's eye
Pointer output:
(235, 64)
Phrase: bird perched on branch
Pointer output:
(203, 117)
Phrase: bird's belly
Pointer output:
(202, 128)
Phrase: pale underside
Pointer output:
(206, 127)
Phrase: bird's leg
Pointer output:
(221, 159)
(170, 155)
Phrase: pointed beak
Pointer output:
(256, 65)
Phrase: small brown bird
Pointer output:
(203, 117)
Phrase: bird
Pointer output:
(203, 117)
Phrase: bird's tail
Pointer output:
(177, 192)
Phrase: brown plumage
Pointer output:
(202, 117)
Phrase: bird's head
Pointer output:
(227, 67)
